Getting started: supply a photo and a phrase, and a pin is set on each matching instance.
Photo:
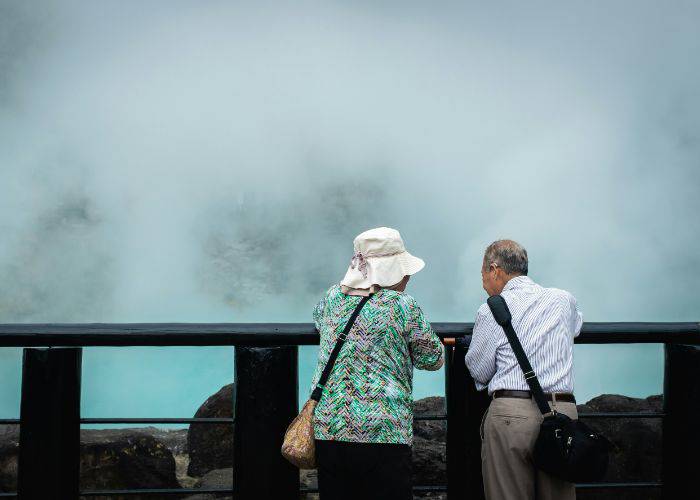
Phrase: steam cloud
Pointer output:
(172, 161)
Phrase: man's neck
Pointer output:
(508, 278)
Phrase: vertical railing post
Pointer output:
(265, 402)
(455, 401)
(49, 436)
(465, 408)
(682, 407)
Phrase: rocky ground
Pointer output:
(201, 456)
(637, 442)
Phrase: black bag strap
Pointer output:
(318, 390)
(501, 313)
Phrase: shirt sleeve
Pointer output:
(481, 356)
(318, 313)
(577, 317)
(423, 344)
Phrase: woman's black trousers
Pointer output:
(363, 471)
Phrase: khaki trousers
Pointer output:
(508, 433)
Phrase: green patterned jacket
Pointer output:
(368, 397)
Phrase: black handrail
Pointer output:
(263, 334)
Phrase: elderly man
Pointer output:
(546, 321)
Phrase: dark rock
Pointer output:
(123, 459)
(429, 462)
(8, 467)
(217, 478)
(173, 439)
(109, 459)
(9, 453)
(637, 445)
(434, 430)
(309, 479)
(211, 445)
(429, 438)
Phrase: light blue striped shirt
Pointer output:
(546, 321)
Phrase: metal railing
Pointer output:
(49, 427)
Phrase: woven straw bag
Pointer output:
(299, 445)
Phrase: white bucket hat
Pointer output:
(380, 258)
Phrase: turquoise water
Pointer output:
(173, 382)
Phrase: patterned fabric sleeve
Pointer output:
(318, 312)
(425, 347)
(318, 316)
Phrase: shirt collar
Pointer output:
(517, 282)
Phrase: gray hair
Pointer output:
(508, 255)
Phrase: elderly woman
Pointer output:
(363, 423)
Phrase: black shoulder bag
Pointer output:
(565, 448)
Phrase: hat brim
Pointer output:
(384, 271)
